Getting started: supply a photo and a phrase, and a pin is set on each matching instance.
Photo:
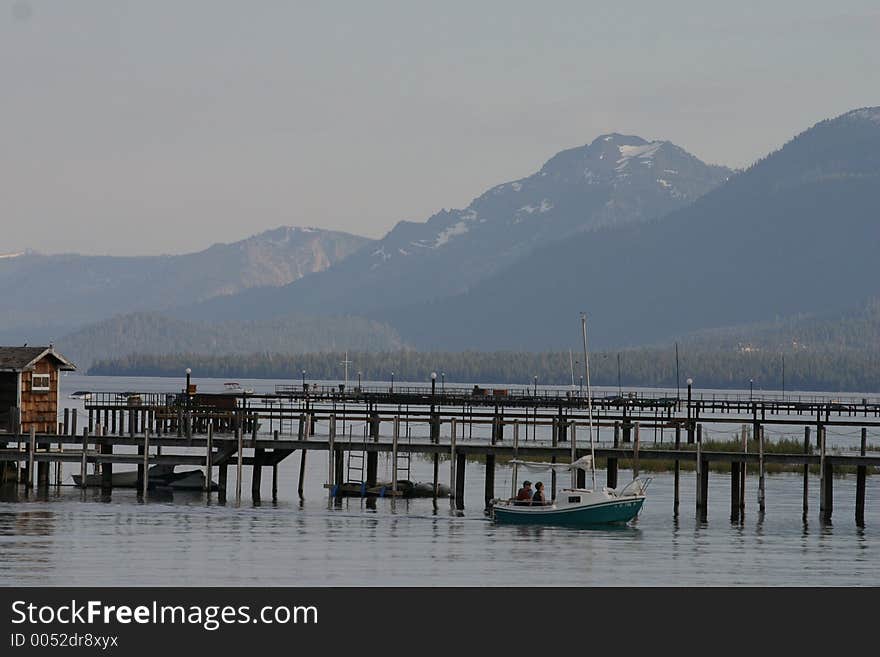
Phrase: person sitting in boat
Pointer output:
(524, 496)
(538, 497)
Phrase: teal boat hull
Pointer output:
(606, 513)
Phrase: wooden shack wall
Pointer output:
(40, 409)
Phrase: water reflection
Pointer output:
(69, 536)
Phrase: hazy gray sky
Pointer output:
(161, 126)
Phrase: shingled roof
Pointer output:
(17, 359)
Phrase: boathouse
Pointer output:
(29, 385)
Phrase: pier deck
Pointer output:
(258, 431)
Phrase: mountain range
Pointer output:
(617, 180)
(795, 233)
(652, 243)
(47, 296)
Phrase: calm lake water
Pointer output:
(71, 537)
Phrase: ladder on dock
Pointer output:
(404, 460)
(356, 461)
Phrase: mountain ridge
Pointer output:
(613, 180)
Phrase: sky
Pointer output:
(131, 127)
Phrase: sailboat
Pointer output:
(576, 506)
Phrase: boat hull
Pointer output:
(610, 512)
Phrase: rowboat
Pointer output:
(581, 507)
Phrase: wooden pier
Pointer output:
(215, 432)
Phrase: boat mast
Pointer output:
(589, 400)
(571, 365)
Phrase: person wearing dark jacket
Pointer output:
(538, 497)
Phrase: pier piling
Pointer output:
(861, 472)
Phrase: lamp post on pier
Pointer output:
(442, 383)
(304, 379)
(392, 382)
(433, 383)
(188, 373)
(751, 388)
(536, 384)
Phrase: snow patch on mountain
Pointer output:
(459, 228)
(645, 153)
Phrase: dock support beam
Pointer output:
(861, 472)
(373, 457)
(257, 474)
(807, 450)
(453, 462)
(302, 458)
(209, 458)
(761, 469)
(459, 481)
(31, 449)
(490, 479)
(676, 472)
(735, 469)
(702, 500)
(106, 466)
(238, 466)
(611, 462)
(222, 478)
(275, 470)
(828, 492)
(146, 480)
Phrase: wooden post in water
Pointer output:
(238, 468)
(222, 478)
(395, 436)
(734, 490)
(515, 474)
(636, 450)
(331, 463)
(83, 462)
(460, 468)
(806, 472)
(73, 430)
(676, 472)
(373, 457)
(554, 435)
(58, 464)
(146, 481)
(32, 448)
(704, 476)
(274, 469)
(742, 473)
(302, 458)
(822, 465)
(861, 472)
(452, 463)
(489, 490)
(698, 464)
(436, 462)
(106, 466)
(827, 482)
(611, 461)
(43, 468)
(209, 459)
(761, 469)
(257, 473)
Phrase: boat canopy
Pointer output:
(583, 463)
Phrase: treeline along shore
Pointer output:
(833, 370)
